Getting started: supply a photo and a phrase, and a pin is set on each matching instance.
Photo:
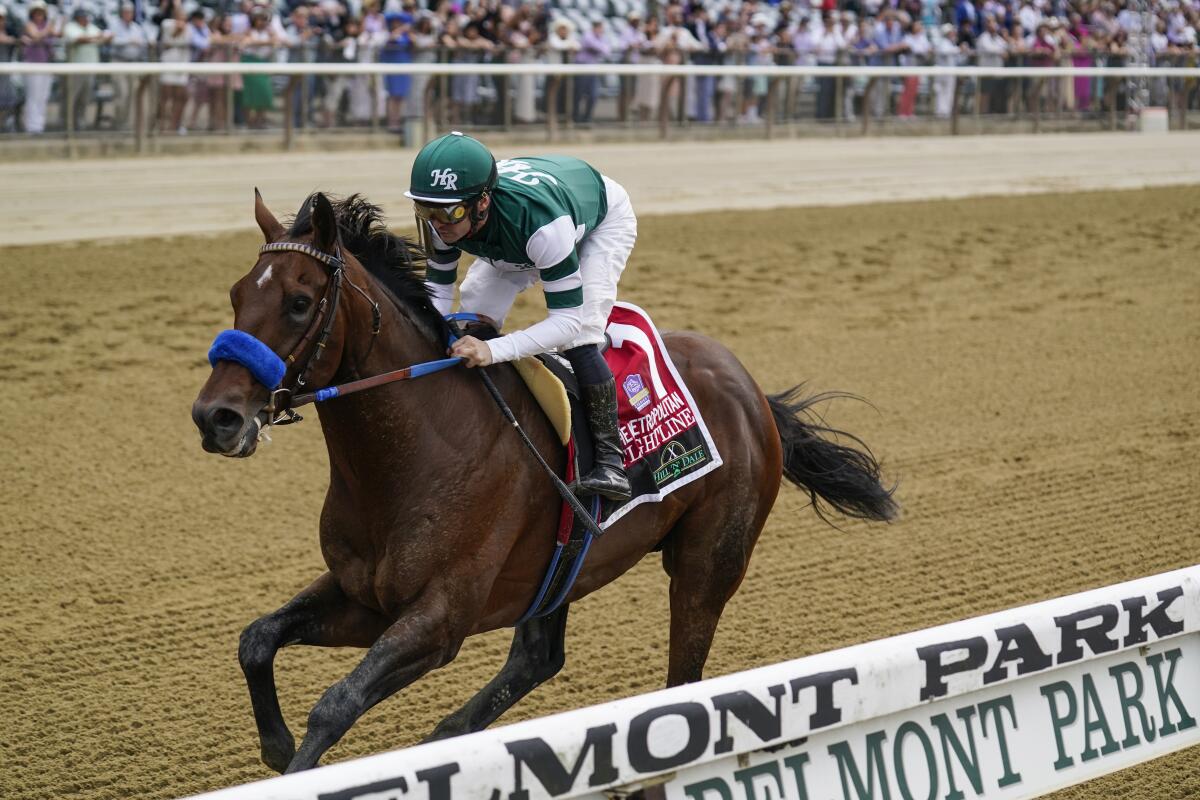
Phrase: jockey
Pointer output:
(552, 219)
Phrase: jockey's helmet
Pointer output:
(452, 169)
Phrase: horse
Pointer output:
(436, 525)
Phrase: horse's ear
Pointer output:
(270, 226)
(324, 222)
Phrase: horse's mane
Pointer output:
(395, 261)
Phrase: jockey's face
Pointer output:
(451, 232)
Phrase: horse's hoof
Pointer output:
(277, 755)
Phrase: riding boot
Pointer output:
(607, 477)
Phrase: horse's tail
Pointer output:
(844, 477)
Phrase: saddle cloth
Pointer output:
(667, 445)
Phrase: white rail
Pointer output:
(1009, 705)
(300, 68)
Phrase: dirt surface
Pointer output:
(120, 197)
(1034, 364)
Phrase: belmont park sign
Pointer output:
(1009, 705)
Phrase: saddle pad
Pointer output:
(550, 394)
(667, 444)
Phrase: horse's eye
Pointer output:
(299, 305)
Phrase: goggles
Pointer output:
(448, 214)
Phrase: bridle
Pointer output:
(279, 407)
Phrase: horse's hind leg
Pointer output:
(319, 615)
(536, 656)
(706, 555)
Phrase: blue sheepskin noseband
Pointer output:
(239, 346)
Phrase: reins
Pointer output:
(281, 407)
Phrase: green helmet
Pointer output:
(452, 168)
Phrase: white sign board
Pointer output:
(1009, 705)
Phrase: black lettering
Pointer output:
(638, 746)
(368, 788)
(826, 712)
(1096, 636)
(753, 714)
(438, 779)
(936, 670)
(1017, 643)
(1157, 619)
(545, 766)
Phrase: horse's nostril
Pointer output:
(225, 421)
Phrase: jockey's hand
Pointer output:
(474, 352)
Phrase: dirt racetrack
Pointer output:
(1034, 363)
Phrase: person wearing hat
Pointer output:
(83, 38)
(549, 219)
(946, 53)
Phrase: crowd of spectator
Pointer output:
(808, 32)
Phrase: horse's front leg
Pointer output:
(536, 655)
(421, 640)
(319, 615)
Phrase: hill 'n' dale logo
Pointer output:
(676, 459)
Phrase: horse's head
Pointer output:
(286, 333)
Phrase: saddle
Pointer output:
(552, 383)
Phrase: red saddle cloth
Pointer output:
(667, 444)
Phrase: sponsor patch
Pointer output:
(677, 459)
(636, 391)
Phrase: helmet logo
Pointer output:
(444, 179)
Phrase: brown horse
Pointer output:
(437, 523)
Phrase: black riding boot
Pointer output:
(607, 477)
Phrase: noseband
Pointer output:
(245, 349)
(279, 410)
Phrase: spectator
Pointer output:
(992, 50)
(593, 49)
(239, 21)
(340, 47)
(9, 96)
(424, 51)
(199, 42)
(1083, 56)
(712, 47)
(947, 53)
(760, 52)
(258, 47)
(675, 44)
(397, 49)
(302, 40)
(83, 40)
(36, 48)
(473, 48)
(563, 46)
(829, 46)
(647, 89)
(174, 46)
(916, 50)
(223, 48)
(130, 43)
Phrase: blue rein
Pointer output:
(268, 368)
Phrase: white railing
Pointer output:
(664, 70)
(1028, 90)
(1009, 705)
